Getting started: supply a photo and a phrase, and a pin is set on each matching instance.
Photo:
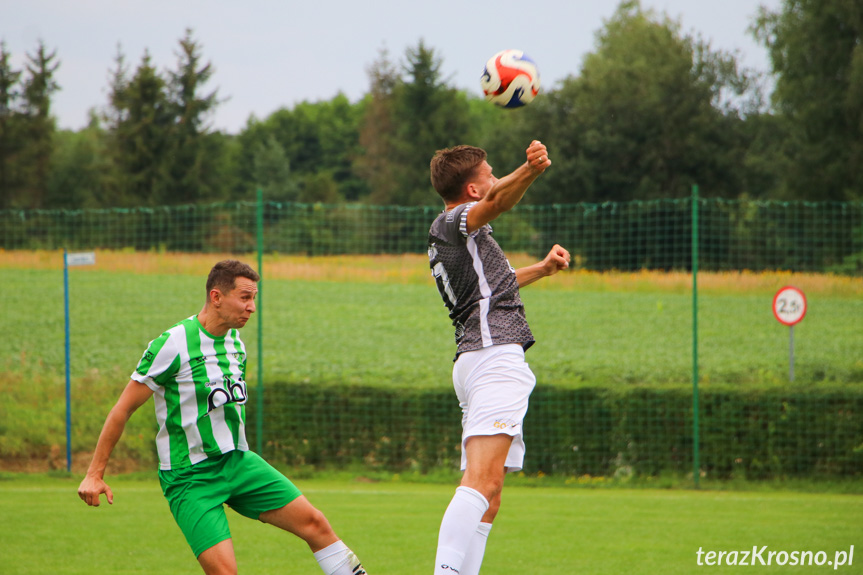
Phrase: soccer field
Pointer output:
(393, 526)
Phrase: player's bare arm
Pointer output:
(93, 485)
(508, 191)
(557, 259)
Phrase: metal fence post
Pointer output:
(260, 309)
(695, 439)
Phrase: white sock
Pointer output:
(457, 528)
(337, 559)
(473, 560)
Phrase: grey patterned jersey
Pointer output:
(477, 284)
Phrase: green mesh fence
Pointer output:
(357, 372)
(654, 235)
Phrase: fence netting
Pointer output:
(753, 423)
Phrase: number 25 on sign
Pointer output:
(789, 307)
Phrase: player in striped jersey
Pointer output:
(491, 379)
(195, 372)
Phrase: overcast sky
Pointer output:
(270, 54)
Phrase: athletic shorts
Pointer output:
(241, 479)
(493, 386)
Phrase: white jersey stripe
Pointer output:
(476, 282)
(484, 290)
(189, 403)
(235, 348)
(162, 362)
(484, 329)
(163, 441)
(221, 432)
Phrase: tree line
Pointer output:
(651, 111)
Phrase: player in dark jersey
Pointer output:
(491, 379)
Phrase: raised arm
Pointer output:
(93, 484)
(508, 191)
(556, 260)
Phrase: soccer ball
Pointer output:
(510, 79)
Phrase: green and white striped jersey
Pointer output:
(199, 389)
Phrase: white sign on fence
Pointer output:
(81, 259)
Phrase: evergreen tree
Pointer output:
(115, 180)
(38, 126)
(429, 115)
(192, 157)
(377, 163)
(140, 123)
(10, 126)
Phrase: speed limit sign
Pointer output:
(789, 305)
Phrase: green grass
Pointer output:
(399, 334)
(396, 334)
(393, 528)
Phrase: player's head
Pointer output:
(231, 290)
(224, 276)
(453, 168)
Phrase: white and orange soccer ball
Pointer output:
(510, 79)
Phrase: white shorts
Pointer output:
(493, 386)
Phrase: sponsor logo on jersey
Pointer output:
(225, 392)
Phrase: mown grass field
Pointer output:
(380, 320)
(393, 527)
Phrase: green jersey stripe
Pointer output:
(239, 360)
(173, 439)
(152, 353)
(202, 346)
(232, 419)
(199, 389)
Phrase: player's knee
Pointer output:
(316, 527)
(495, 486)
(490, 487)
(493, 508)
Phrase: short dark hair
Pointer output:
(451, 168)
(225, 273)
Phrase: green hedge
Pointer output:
(751, 433)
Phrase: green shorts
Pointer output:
(242, 479)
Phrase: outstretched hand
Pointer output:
(92, 488)
(537, 156)
(557, 259)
